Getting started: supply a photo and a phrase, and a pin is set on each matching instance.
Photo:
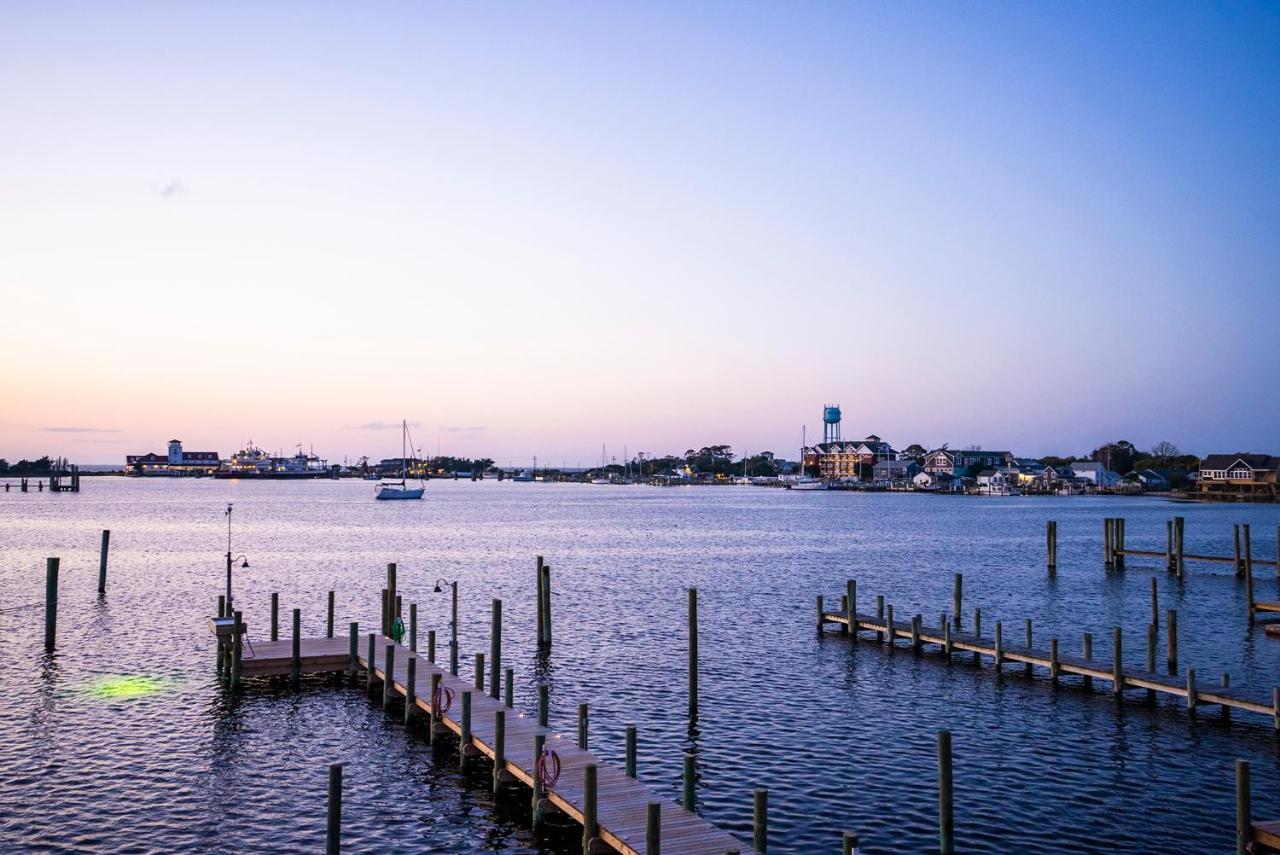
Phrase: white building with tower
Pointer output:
(177, 462)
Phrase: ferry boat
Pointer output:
(252, 462)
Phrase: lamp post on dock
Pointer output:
(230, 560)
(453, 623)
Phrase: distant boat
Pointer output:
(400, 489)
(525, 475)
(604, 467)
(804, 482)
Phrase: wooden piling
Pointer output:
(391, 597)
(849, 844)
(653, 828)
(1244, 809)
(464, 738)
(957, 590)
(582, 726)
(431, 646)
(1275, 709)
(541, 615)
(1107, 543)
(499, 747)
(1168, 545)
(1054, 668)
(453, 630)
(480, 671)
(1171, 642)
(275, 616)
(410, 688)
(436, 692)
(629, 751)
(1226, 710)
(371, 677)
(687, 791)
(999, 647)
(385, 624)
(413, 627)
(879, 615)
(546, 605)
(1248, 571)
(821, 621)
(915, 633)
(760, 820)
(946, 813)
(1087, 653)
(102, 561)
(1028, 665)
(977, 631)
(590, 828)
(1155, 604)
(1179, 530)
(844, 608)
(295, 660)
(353, 653)
(237, 649)
(1051, 550)
(693, 648)
(329, 618)
(222, 648)
(1235, 537)
(851, 605)
(495, 651)
(1191, 692)
(946, 642)
(1119, 543)
(333, 829)
(388, 682)
(1117, 662)
(544, 702)
(539, 746)
(1152, 633)
(51, 603)
(888, 623)
(510, 692)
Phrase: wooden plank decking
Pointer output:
(622, 802)
(1130, 678)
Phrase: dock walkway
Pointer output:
(621, 802)
(1121, 678)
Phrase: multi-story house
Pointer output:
(1242, 474)
(967, 462)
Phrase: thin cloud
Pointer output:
(78, 430)
(381, 425)
(171, 189)
(464, 429)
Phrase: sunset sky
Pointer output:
(537, 229)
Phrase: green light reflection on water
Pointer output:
(124, 687)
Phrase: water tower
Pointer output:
(831, 423)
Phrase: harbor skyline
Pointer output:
(1039, 228)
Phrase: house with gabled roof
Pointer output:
(1244, 475)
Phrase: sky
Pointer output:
(544, 228)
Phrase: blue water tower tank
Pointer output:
(831, 415)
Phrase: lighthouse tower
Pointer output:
(831, 423)
(175, 452)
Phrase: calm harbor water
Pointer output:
(841, 734)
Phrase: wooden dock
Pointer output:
(1121, 678)
(621, 802)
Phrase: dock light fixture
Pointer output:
(453, 623)
(244, 561)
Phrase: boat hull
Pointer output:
(396, 493)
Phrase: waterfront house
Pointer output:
(967, 462)
(998, 482)
(177, 462)
(895, 470)
(1150, 479)
(941, 482)
(847, 459)
(1096, 474)
(1239, 475)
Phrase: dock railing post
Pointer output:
(539, 746)
(389, 671)
(413, 627)
(50, 603)
(888, 624)
(1171, 642)
(275, 616)
(760, 820)
(499, 748)
(353, 654)
(329, 618)
(237, 649)
(544, 701)
(629, 751)
(1117, 662)
(464, 739)
(510, 688)
(431, 646)
(1119, 553)
(295, 664)
(879, 615)
(999, 646)
(102, 561)
(582, 726)
(821, 620)
(546, 605)
(333, 832)
(436, 693)
(653, 828)
(1244, 809)
(851, 593)
(370, 676)
(688, 793)
(391, 597)
(495, 651)
(479, 662)
(590, 830)
(1087, 654)
(453, 630)
(410, 688)
(844, 609)
(957, 591)
(946, 814)
(537, 571)
(693, 648)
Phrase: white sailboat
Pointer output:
(604, 466)
(400, 489)
(804, 482)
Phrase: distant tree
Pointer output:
(916, 452)
(1165, 450)
(4, 465)
(1116, 456)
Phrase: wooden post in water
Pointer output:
(977, 632)
(1107, 530)
(51, 603)
(1117, 662)
(1244, 809)
(1155, 604)
(820, 620)
(413, 627)
(329, 618)
(956, 599)
(510, 699)
(1028, 664)
(693, 649)
(391, 597)
(653, 828)
(1168, 545)
(544, 702)
(1171, 644)
(582, 726)
(946, 642)
(410, 688)
(389, 670)
(879, 615)
(370, 676)
(687, 791)
(453, 630)
(102, 561)
(1226, 710)
(915, 632)
(1235, 537)
(537, 572)
(495, 651)
(384, 623)
(431, 646)
(546, 605)
(1191, 692)
(629, 751)
(480, 671)
(1179, 530)
(499, 747)
(946, 813)
(888, 624)
(1152, 632)
(222, 648)
(1088, 655)
(590, 829)
(333, 831)
(851, 595)
(1119, 550)
(1248, 572)
(760, 820)
(295, 664)
(464, 739)
(353, 653)
(844, 607)
(1054, 668)
(237, 649)
(1051, 533)
(999, 647)
(1275, 709)
(275, 616)
(436, 698)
